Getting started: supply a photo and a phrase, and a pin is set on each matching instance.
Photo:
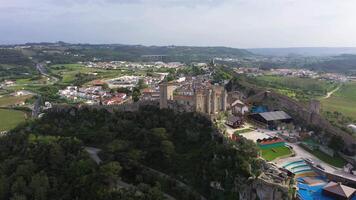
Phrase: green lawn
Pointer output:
(273, 153)
(243, 131)
(10, 119)
(343, 101)
(336, 161)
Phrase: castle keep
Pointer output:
(193, 95)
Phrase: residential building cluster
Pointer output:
(301, 73)
(7, 83)
(130, 82)
(132, 65)
(92, 95)
(290, 72)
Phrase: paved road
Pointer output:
(301, 153)
(41, 69)
(36, 107)
(93, 153)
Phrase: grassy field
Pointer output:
(273, 153)
(68, 72)
(294, 87)
(343, 101)
(12, 100)
(10, 119)
(32, 81)
(243, 131)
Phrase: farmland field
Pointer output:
(10, 119)
(13, 100)
(302, 89)
(68, 72)
(343, 101)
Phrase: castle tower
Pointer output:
(224, 100)
(166, 93)
(213, 101)
(208, 101)
(199, 101)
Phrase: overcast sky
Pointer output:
(234, 23)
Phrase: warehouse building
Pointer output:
(271, 119)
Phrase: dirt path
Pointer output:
(328, 95)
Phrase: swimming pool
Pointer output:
(307, 192)
(293, 163)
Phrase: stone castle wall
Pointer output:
(299, 110)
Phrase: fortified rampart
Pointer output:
(298, 110)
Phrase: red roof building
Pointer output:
(113, 101)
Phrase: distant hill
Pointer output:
(58, 52)
(304, 51)
(164, 53)
(344, 63)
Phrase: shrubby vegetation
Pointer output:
(339, 120)
(159, 152)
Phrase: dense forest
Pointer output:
(64, 53)
(164, 53)
(160, 154)
(14, 64)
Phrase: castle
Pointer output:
(194, 96)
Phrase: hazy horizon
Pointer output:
(230, 23)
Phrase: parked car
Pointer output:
(320, 167)
(309, 160)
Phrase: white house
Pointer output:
(352, 127)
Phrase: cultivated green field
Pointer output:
(68, 72)
(343, 101)
(294, 87)
(273, 153)
(10, 119)
(12, 100)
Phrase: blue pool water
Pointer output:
(299, 167)
(303, 171)
(259, 109)
(307, 192)
(294, 163)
